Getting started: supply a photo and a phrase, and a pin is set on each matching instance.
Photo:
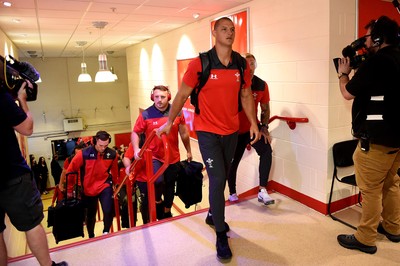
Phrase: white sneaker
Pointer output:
(233, 197)
(105, 233)
(264, 197)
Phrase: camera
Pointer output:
(356, 51)
(16, 73)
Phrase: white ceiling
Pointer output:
(52, 28)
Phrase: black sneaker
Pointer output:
(167, 215)
(223, 250)
(63, 263)
(210, 222)
(160, 210)
(350, 242)
(393, 238)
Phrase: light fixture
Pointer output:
(7, 4)
(103, 75)
(196, 15)
(114, 75)
(84, 76)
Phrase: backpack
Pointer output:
(205, 73)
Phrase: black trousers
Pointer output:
(263, 150)
(217, 152)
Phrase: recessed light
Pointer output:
(7, 4)
(196, 15)
(16, 20)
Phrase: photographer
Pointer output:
(19, 197)
(375, 88)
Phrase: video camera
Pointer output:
(356, 51)
(15, 74)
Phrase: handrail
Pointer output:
(142, 150)
(147, 156)
(150, 182)
(291, 121)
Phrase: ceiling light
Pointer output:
(196, 15)
(113, 73)
(103, 75)
(84, 76)
(7, 4)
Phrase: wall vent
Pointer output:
(73, 124)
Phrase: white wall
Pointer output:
(103, 106)
(294, 43)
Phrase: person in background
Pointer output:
(19, 196)
(217, 123)
(72, 180)
(43, 175)
(98, 165)
(56, 169)
(260, 93)
(35, 168)
(375, 91)
(150, 119)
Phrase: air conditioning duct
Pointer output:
(73, 124)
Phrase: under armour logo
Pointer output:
(108, 155)
(237, 76)
(209, 162)
(213, 76)
(155, 123)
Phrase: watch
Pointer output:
(341, 74)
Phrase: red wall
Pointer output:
(373, 9)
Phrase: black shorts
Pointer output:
(21, 201)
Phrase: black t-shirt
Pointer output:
(12, 163)
(378, 76)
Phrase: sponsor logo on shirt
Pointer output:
(213, 76)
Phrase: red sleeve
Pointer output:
(76, 163)
(247, 77)
(66, 164)
(140, 125)
(129, 153)
(191, 78)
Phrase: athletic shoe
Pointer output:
(350, 242)
(393, 238)
(223, 250)
(264, 197)
(105, 233)
(167, 215)
(210, 222)
(233, 197)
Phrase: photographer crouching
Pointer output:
(375, 88)
(19, 197)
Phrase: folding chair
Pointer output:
(343, 157)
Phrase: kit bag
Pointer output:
(189, 183)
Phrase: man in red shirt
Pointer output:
(260, 93)
(218, 121)
(98, 167)
(150, 119)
